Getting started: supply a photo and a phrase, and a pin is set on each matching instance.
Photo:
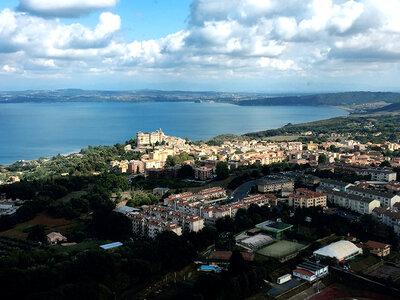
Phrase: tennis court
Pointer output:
(280, 249)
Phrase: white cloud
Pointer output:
(65, 8)
(239, 38)
(8, 69)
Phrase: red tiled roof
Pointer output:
(373, 244)
(303, 272)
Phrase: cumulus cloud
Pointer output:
(64, 8)
(223, 38)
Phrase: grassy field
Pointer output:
(84, 245)
(280, 249)
(63, 226)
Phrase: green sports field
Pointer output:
(280, 249)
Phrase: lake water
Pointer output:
(29, 130)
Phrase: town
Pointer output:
(276, 203)
(373, 194)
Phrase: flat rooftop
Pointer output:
(274, 226)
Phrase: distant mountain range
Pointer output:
(358, 101)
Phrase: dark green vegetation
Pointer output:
(42, 196)
(89, 160)
(178, 159)
(388, 108)
(31, 271)
(336, 99)
(141, 198)
(222, 170)
(220, 139)
(377, 128)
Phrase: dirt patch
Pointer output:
(71, 195)
(63, 226)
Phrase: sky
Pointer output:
(270, 46)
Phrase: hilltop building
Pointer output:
(150, 138)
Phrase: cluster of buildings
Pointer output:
(389, 216)
(382, 204)
(357, 198)
(156, 147)
(10, 180)
(9, 206)
(316, 268)
(190, 212)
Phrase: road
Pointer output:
(243, 190)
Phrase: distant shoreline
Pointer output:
(77, 150)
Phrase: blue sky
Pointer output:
(149, 19)
(224, 45)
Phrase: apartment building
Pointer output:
(261, 199)
(389, 216)
(307, 198)
(203, 173)
(359, 204)
(379, 174)
(135, 167)
(211, 193)
(386, 199)
(275, 184)
(334, 184)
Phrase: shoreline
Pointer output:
(4, 165)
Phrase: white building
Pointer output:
(359, 204)
(310, 270)
(379, 174)
(386, 199)
(334, 184)
(341, 250)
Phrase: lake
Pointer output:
(32, 130)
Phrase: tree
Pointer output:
(385, 164)
(115, 182)
(222, 170)
(266, 170)
(225, 224)
(237, 264)
(186, 172)
(322, 159)
(111, 225)
(36, 233)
